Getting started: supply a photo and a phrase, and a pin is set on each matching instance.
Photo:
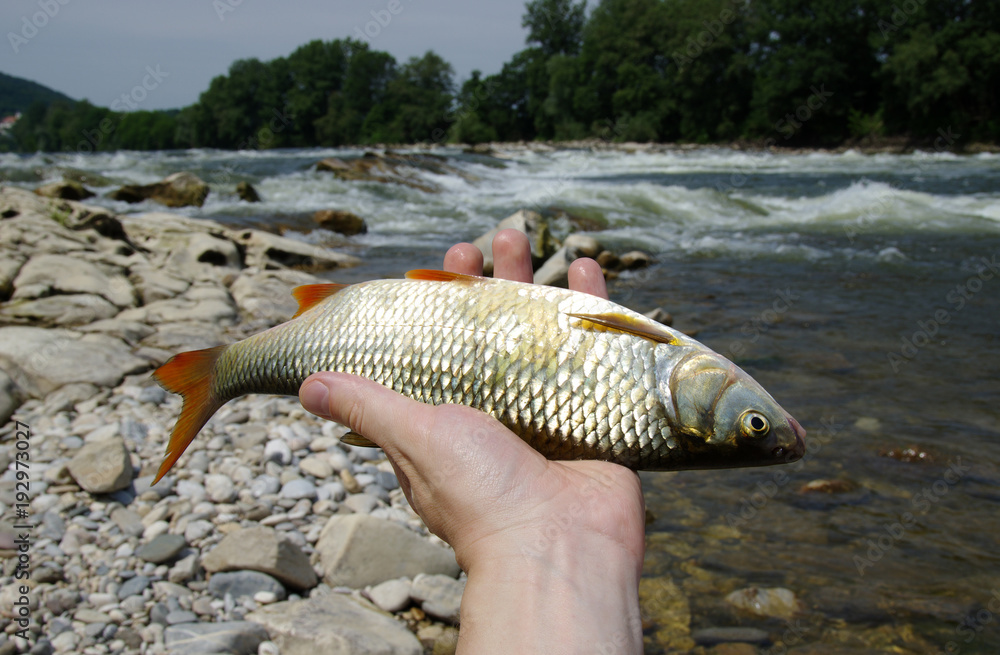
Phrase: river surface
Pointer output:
(863, 291)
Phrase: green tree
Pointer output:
(556, 26)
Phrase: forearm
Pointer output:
(571, 597)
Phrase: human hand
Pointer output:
(553, 550)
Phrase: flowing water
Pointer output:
(863, 291)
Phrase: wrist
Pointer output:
(568, 593)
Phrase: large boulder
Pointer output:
(46, 275)
(334, 625)
(63, 311)
(531, 223)
(267, 295)
(340, 221)
(41, 360)
(265, 250)
(359, 550)
(177, 190)
(392, 168)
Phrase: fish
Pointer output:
(576, 376)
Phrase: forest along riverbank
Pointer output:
(858, 289)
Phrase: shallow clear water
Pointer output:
(862, 291)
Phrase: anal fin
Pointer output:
(352, 438)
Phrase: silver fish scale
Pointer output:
(506, 348)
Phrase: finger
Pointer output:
(512, 256)
(373, 411)
(464, 258)
(586, 275)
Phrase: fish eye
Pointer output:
(754, 424)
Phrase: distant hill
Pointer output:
(17, 94)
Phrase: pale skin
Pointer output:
(553, 550)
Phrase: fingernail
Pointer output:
(315, 397)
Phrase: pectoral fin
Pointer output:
(352, 438)
(629, 324)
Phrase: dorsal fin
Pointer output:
(630, 324)
(441, 276)
(310, 295)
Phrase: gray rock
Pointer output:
(581, 245)
(219, 488)
(267, 294)
(391, 595)
(180, 616)
(246, 192)
(235, 637)
(35, 358)
(66, 397)
(264, 485)
(200, 304)
(264, 249)
(197, 530)
(555, 271)
(334, 625)
(127, 521)
(65, 190)
(387, 480)
(357, 550)
(133, 586)
(130, 331)
(62, 311)
(102, 467)
(161, 548)
(208, 249)
(361, 503)
(439, 595)
(154, 395)
(184, 570)
(531, 223)
(342, 222)
(635, 259)
(157, 284)
(47, 275)
(278, 450)
(262, 549)
(240, 584)
(713, 636)
(296, 489)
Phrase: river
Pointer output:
(863, 291)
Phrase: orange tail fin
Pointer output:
(189, 374)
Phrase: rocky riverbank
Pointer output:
(270, 535)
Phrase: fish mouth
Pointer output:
(796, 452)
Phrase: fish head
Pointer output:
(720, 417)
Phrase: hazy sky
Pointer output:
(101, 49)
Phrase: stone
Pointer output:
(358, 550)
(127, 521)
(181, 616)
(660, 315)
(278, 450)
(581, 245)
(713, 636)
(342, 222)
(296, 489)
(178, 190)
(555, 271)
(10, 398)
(209, 249)
(246, 192)
(241, 584)
(133, 586)
(46, 275)
(391, 168)
(262, 549)
(316, 467)
(531, 223)
(391, 595)
(267, 294)
(635, 259)
(265, 250)
(361, 503)
(334, 625)
(102, 467)
(35, 358)
(68, 396)
(776, 602)
(219, 488)
(65, 190)
(60, 311)
(439, 596)
(235, 637)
